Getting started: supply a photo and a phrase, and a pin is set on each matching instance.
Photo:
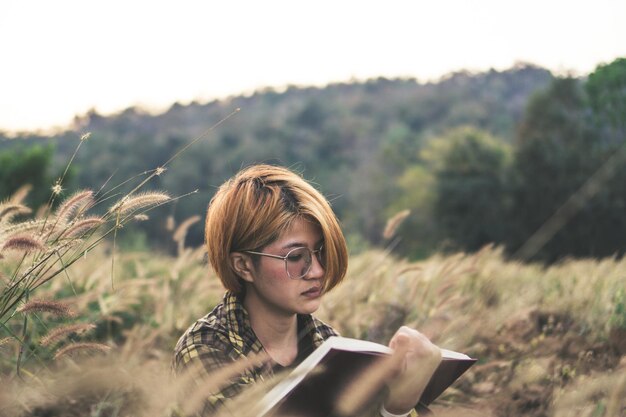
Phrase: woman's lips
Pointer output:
(313, 292)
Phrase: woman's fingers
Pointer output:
(400, 344)
(415, 360)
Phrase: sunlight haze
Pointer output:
(63, 58)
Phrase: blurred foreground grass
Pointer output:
(550, 341)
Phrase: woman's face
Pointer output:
(272, 285)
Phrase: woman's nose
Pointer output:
(316, 271)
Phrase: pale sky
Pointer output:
(60, 58)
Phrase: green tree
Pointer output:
(456, 193)
(471, 188)
(416, 192)
(27, 165)
(569, 192)
(606, 89)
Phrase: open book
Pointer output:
(314, 387)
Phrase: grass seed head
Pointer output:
(130, 204)
(56, 308)
(36, 227)
(395, 222)
(76, 349)
(81, 227)
(181, 231)
(23, 243)
(74, 205)
(57, 188)
(5, 341)
(62, 332)
(170, 224)
(21, 193)
(9, 210)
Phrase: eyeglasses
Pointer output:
(298, 261)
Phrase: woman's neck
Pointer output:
(277, 331)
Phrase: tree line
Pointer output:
(518, 158)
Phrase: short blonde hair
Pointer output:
(252, 209)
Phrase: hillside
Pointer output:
(345, 137)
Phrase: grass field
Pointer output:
(550, 341)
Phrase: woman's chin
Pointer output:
(310, 306)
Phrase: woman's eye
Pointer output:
(294, 257)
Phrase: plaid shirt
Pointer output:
(224, 336)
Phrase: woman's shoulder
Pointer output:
(211, 324)
(209, 330)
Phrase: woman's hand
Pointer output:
(414, 361)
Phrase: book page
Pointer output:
(450, 354)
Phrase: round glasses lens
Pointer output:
(298, 262)
(320, 256)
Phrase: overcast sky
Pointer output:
(61, 58)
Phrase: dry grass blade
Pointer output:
(617, 403)
(129, 204)
(61, 332)
(170, 223)
(74, 205)
(81, 348)
(9, 210)
(36, 226)
(5, 341)
(181, 232)
(141, 217)
(395, 222)
(215, 380)
(56, 308)
(21, 193)
(23, 243)
(82, 226)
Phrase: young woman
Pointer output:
(277, 247)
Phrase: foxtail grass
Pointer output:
(53, 307)
(181, 232)
(81, 348)
(57, 334)
(74, 206)
(130, 204)
(9, 210)
(36, 251)
(394, 223)
(22, 243)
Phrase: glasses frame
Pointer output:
(314, 253)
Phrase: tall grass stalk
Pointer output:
(37, 251)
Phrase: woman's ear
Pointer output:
(242, 265)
